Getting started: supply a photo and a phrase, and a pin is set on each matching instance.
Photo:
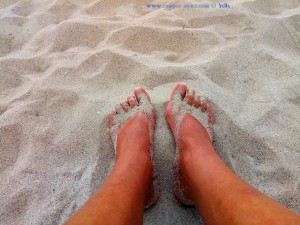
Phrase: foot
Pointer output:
(131, 129)
(190, 119)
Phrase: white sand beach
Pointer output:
(64, 65)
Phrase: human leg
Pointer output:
(129, 187)
(219, 194)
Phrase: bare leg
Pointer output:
(219, 194)
(129, 187)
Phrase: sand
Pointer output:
(65, 64)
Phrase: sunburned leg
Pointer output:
(129, 188)
(219, 194)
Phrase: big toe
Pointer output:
(178, 94)
(179, 89)
(142, 96)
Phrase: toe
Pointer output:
(118, 108)
(210, 115)
(190, 96)
(210, 122)
(203, 104)
(179, 88)
(141, 95)
(111, 119)
(197, 102)
(125, 106)
(132, 101)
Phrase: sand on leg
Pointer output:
(204, 179)
(131, 185)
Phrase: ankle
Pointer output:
(133, 158)
(136, 170)
(194, 154)
(191, 145)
